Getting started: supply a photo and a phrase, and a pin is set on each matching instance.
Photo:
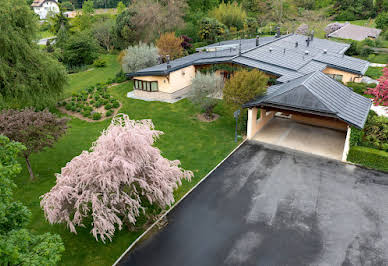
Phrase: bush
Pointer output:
(98, 104)
(80, 49)
(366, 51)
(99, 63)
(86, 113)
(138, 57)
(369, 157)
(68, 106)
(96, 116)
(108, 106)
(116, 104)
(108, 113)
(230, 14)
(210, 29)
(382, 20)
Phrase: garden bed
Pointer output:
(92, 104)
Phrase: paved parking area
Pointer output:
(273, 206)
(317, 140)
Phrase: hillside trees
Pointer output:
(18, 246)
(210, 29)
(28, 76)
(114, 182)
(139, 56)
(80, 49)
(169, 44)
(36, 130)
(104, 34)
(124, 29)
(230, 14)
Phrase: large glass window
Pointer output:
(336, 77)
(146, 85)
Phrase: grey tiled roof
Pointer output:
(355, 32)
(279, 56)
(318, 93)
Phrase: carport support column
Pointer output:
(255, 125)
(252, 121)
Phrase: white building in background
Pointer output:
(45, 7)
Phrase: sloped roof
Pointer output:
(355, 32)
(320, 94)
(287, 56)
(39, 3)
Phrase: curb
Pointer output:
(176, 204)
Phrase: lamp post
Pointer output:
(236, 114)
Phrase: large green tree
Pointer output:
(18, 246)
(28, 75)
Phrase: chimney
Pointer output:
(284, 50)
(312, 35)
(168, 61)
(306, 52)
(257, 40)
(277, 32)
(239, 48)
(296, 44)
(324, 51)
(308, 42)
(270, 49)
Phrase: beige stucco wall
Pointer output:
(173, 82)
(322, 122)
(181, 78)
(255, 125)
(347, 77)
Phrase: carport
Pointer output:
(312, 113)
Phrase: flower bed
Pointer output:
(91, 104)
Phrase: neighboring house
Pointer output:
(45, 7)
(355, 32)
(283, 58)
(70, 14)
(314, 99)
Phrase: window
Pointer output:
(146, 85)
(336, 77)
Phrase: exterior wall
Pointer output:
(255, 125)
(347, 77)
(322, 122)
(159, 95)
(48, 6)
(163, 82)
(174, 82)
(347, 146)
(181, 78)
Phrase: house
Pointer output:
(283, 58)
(355, 32)
(45, 7)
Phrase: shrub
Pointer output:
(230, 14)
(205, 87)
(116, 104)
(96, 116)
(360, 88)
(86, 113)
(169, 44)
(210, 29)
(99, 63)
(68, 106)
(382, 20)
(366, 51)
(108, 106)
(138, 57)
(108, 113)
(80, 49)
(98, 104)
(73, 108)
(369, 157)
(245, 86)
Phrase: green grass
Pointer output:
(362, 22)
(374, 72)
(93, 75)
(199, 146)
(45, 34)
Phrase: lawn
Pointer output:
(45, 34)
(374, 72)
(93, 75)
(199, 146)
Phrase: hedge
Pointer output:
(369, 157)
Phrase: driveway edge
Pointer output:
(176, 204)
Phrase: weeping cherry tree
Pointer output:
(113, 181)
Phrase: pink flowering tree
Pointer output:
(380, 92)
(113, 181)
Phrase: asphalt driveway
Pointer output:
(270, 206)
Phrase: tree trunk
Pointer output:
(32, 177)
